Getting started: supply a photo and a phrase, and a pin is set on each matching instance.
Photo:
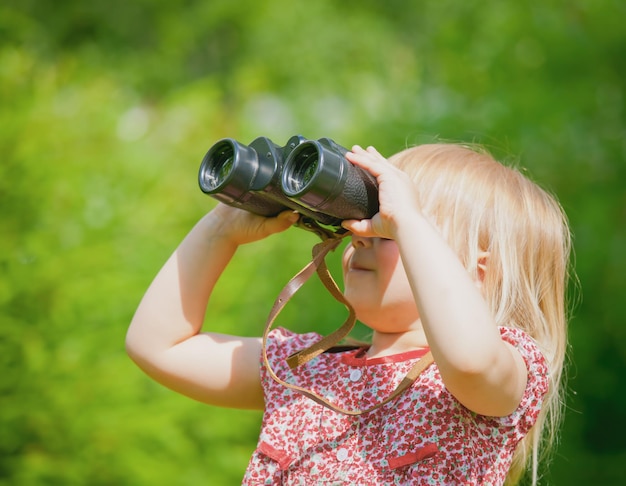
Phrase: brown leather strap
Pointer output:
(319, 254)
(318, 264)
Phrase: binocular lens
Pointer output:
(312, 177)
(306, 167)
(220, 168)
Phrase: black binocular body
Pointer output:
(312, 177)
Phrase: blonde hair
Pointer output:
(481, 205)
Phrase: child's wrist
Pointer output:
(411, 223)
(216, 229)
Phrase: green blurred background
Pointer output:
(106, 109)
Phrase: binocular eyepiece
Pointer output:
(312, 177)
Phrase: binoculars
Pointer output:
(312, 177)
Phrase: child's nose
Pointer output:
(361, 241)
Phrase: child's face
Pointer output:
(376, 285)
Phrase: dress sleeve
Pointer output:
(525, 416)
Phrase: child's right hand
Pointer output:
(240, 227)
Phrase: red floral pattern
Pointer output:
(425, 437)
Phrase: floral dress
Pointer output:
(424, 437)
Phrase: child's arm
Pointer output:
(164, 336)
(483, 372)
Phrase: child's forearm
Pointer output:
(458, 323)
(454, 314)
(173, 308)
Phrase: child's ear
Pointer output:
(481, 266)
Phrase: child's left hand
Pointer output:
(396, 194)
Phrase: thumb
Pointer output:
(362, 227)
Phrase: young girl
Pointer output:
(466, 259)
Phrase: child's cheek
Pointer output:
(345, 258)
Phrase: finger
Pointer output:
(372, 150)
(366, 161)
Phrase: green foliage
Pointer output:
(106, 110)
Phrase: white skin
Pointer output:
(402, 278)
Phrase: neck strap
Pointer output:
(318, 265)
